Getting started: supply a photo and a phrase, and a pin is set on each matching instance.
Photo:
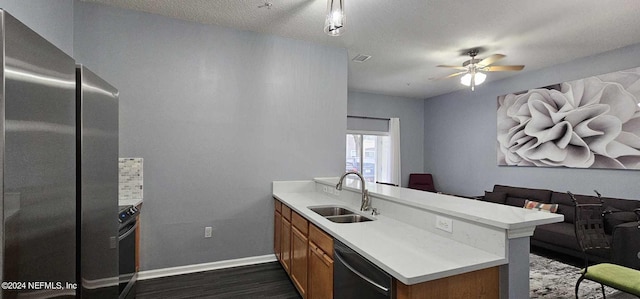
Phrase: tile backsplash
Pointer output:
(131, 178)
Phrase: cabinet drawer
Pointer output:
(278, 205)
(286, 212)
(300, 223)
(320, 238)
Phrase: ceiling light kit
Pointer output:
(473, 68)
(334, 24)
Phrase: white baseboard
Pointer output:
(253, 260)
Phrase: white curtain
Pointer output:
(394, 134)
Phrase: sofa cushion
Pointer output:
(614, 217)
(539, 195)
(496, 197)
(622, 204)
(515, 201)
(561, 234)
(543, 207)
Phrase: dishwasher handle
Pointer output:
(367, 279)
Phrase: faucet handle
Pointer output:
(374, 211)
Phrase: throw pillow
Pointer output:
(543, 207)
(614, 217)
(497, 197)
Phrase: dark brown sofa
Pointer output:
(621, 224)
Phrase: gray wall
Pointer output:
(460, 136)
(217, 114)
(53, 19)
(410, 112)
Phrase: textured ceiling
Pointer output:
(408, 38)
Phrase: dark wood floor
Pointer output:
(256, 281)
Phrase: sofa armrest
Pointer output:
(625, 245)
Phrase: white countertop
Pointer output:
(496, 215)
(408, 253)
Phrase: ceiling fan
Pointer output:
(473, 68)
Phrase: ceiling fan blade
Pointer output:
(491, 59)
(500, 68)
(462, 68)
(452, 75)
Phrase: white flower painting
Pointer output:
(587, 123)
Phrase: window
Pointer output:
(369, 154)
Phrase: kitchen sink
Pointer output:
(331, 211)
(340, 214)
(349, 219)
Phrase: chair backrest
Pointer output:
(589, 225)
(421, 181)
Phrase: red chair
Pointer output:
(421, 181)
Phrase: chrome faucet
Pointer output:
(366, 202)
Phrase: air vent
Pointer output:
(361, 58)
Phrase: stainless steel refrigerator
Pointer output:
(97, 106)
(58, 172)
(38, 148)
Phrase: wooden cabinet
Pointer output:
(277, 232)
(481, 284)
(284, 250)
(299, 252)
(137, 243)
(305, 252)
(285, 247)
(137, 238)
(320, 277)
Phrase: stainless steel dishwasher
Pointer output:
(356, 277)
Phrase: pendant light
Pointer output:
(334, 24)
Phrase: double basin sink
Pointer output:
(339, 214)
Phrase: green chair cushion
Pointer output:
(615, 276)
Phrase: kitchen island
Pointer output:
(419, 236)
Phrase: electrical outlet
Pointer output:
(445, 224)
(207, 231)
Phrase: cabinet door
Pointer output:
(277, 234)
(320, 274)
(137, 255)
(285, 248)
(299, 250)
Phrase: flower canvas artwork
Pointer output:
(587, 123)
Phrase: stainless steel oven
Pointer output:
(127, 251)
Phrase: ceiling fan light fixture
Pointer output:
(334, 24)
(479, 79)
